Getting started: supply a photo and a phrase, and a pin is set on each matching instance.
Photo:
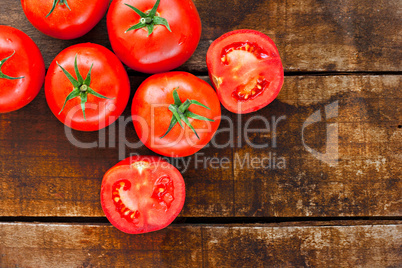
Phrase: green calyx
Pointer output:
(60, 2)
(81, 87)
(149, 19)
(2, 75)
(181, 113)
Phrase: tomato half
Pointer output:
(175, 114)
(246, 70)
(64, 19)
(142, 194)
(22, 70)
(87, 87)
(153, 43)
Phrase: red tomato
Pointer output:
(142, 194)
(161, 98)
(22, 70)
(64, 19)
(246, 70)
(165, 40)
(92, 96)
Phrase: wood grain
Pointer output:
(312, 35)
(366, 180)
(85, 245)
(43, 174)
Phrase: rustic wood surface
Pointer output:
(343, 54)
(46, 175)
(84, 245)
(311, 35)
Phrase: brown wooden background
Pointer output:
(307, 214)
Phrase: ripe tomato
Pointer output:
(142, 194)
(153, 37)
(87, 87)
(246, 70)
(22, 70)
(64, 19)
(175, 114)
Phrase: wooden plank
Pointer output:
(311, 35)
(86, 245)
(366, 180)
(43, 174)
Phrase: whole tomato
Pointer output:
(22, 70)
(87, 87)
(64, 19)
(175, 114)
(153, 37)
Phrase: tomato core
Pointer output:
(250, 47)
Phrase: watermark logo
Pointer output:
(265, 155)
(331, 155)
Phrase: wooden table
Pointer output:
(345, 55)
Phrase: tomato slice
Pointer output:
(245, 69)
(142, 194)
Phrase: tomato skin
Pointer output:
(152, 123)
(142, 172)
(161, 51)
(228, 76)
(63, 23)
(108, 78)
(27, 62)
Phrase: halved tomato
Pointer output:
(246, 70)
(142, 194)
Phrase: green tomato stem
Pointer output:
(81, 86)
(4, 76)
(181, 113)
(149, 19)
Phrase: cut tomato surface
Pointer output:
(142, 194)
(245, 69)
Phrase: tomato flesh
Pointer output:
(253, 48)
(142, 194)
(125, 212)
(245, 69)
(247, 92)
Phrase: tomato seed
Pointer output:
(125, 212)
(244, 93)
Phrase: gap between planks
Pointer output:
(225, 221)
